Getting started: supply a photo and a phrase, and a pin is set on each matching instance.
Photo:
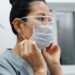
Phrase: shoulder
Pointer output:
(6, 67)
(13, 64)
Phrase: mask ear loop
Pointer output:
(21, 37)
(25, 22)
(20, 31)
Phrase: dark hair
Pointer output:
(20, 8)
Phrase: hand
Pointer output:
(52, 53)
(31, 53)
(52, 57)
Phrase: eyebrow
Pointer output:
(42, 14)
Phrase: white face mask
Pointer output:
(43, 35)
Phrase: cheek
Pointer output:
(27, 32)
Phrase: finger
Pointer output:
(54, 48)
(45, 54)
(21, 45)
(25, 48)
(43, 51)
(54, 45)
(35, 47)
(21, 42)
(29, 46)
(49, 45)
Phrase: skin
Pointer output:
(27, 48)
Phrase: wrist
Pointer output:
(55, 65)
(40, 68)
(40, 71)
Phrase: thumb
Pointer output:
(35, 47)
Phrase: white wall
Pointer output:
(6, 36)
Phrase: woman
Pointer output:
(34, 49)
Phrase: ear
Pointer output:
(16, 23)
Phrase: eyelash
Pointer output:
(43, 19)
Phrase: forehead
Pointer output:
(39, 8)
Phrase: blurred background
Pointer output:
(64, 14)
(64, 28)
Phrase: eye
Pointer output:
(41, 18)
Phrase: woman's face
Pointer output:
(38, 8)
